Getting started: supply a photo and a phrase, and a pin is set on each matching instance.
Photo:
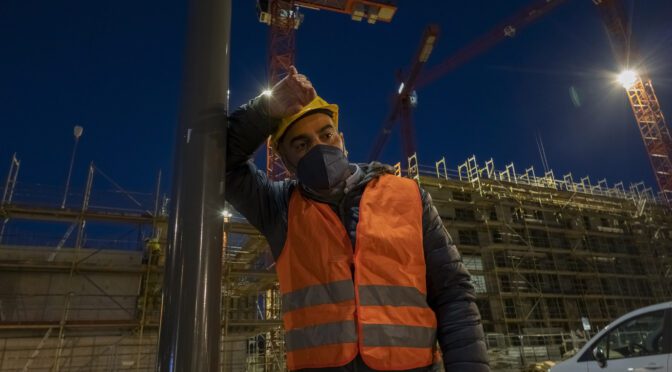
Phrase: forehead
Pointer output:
(309, 124)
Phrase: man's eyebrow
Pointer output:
(326, 127)
(300, 137)
(306, 137)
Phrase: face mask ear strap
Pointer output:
(345, 150)
(290, 167)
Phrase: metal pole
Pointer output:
(77, 133)
(191, 319)
(11, 180)
(73, 265)
(8, 193)
(143, 310)
(61, 332)
(157, 198)
(226, 289)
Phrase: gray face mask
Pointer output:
(322, 168)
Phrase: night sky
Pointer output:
(115, 68)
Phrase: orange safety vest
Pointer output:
(383, 314)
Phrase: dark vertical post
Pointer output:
(190, 323)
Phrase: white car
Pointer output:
(639, 341)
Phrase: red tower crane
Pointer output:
(645, 106)
(284, 18)
(504, 30)
(406, 99)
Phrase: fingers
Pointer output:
(311, 94)
(303, 88)
(299, 78)
(292, 92)
(307, 92)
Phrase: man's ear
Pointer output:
(345, 150)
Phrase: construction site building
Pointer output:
(552, 261)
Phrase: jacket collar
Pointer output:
(361, 175)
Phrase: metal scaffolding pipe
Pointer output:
(190, 323)
(8, 192)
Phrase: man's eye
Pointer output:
(300, 146)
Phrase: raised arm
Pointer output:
(262, 201)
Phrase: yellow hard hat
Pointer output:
(317, 104)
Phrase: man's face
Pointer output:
(315, 129)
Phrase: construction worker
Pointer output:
(369, 277)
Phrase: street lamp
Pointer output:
(77, 132)
(227, 215)
(627, 78)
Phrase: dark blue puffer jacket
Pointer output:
(265, 205)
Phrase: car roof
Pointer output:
(643, 310)
(660, 306)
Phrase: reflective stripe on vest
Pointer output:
(383, 315)
(388, 295)
(319, 294)
(320, 335)
(398, 335)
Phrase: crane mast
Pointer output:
(643, 100)
(284, 18)
(655, 132)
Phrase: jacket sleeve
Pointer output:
(451, 295)
(263, 202)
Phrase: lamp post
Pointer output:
(190, 330)
(77, 132)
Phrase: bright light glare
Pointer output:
(226, 214)
(267, 92)
(627, 78)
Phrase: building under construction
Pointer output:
(549, 256)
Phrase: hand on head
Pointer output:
(290, 94)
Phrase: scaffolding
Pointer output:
(544, 253)
(82, 279)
